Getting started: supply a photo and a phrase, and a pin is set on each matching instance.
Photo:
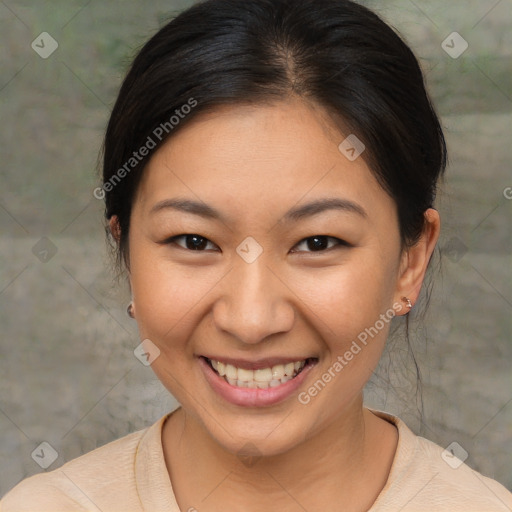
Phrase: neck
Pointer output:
(337, 464)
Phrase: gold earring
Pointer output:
(129, 310)
(407, 301)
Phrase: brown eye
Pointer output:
(193, 242)
(320, 243)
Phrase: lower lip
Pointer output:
(253, 397)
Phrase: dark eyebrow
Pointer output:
(189, 206)
(322, 205)
(293, 215)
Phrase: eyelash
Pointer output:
(339, 242)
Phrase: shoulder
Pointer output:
(424, 476)
(103, 475)
(454, 482)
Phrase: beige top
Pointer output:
(130, 475)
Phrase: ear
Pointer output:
(115, 231)
(415, 259)
(115, 228)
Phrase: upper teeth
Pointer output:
(265, 376)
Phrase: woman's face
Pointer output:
(272, 281)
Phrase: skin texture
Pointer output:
(253, 163)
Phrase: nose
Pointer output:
(255, 303)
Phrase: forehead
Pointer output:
(246, 158)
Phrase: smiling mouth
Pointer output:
(261, 378)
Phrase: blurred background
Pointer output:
(68, 374)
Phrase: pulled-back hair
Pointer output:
(336, 53)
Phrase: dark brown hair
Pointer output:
(336, 53)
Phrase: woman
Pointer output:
(270, 170)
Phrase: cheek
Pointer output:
(350, 296)
(166, 295)
(347, 302)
